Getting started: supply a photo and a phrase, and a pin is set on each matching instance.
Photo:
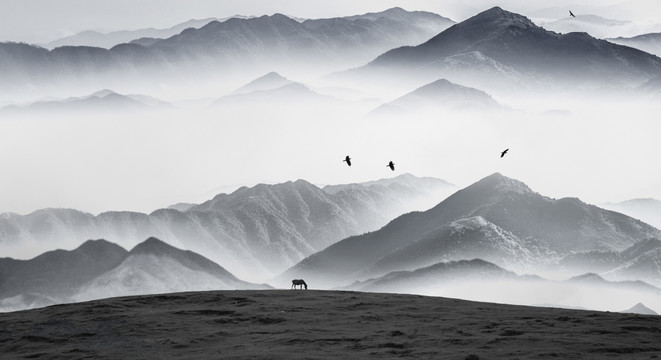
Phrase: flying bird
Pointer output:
(572, 14)
(391, 165)
(504, 152)
(348, 160)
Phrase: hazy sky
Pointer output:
(40, 21)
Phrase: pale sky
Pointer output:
(41, 21)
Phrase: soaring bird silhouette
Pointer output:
(504, 152)
(572, 14)
(348, 160)
(391, 165)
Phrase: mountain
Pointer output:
(290, 97)
(650, 43)
(104, 100)
(498, 50)
(640, 309)
(483, 281)
(253, 232)
(406, 181)
(647, 210)
(503, 210)
(638, 262)
(472, 237)
(110, 39)
(418, 280)
(181, 207)
(594, 25)
(270, 81)
(219, 50)
(440, 95)
(646, 267)
(59, 273)
(99, 269)
(156, 267)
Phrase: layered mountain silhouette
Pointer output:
(498, 217)
(650, 43)
(156, 267)
(419, 280)
(252, 45)
(58, 273)
(109, 39)
(292, 96)
(254, 232)
(647, 210)
(104, 100)
(594, 25)
(99, 269)
(497, 49)
(605, 261)
(477, 279)
(640, 309)
(440, 95)
(270, 81)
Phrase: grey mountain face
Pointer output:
(254, 232)
(480, 280)
(99, 269)
(639, 262)
(646, 267)
(155, 267)
(440, 95)
(418, 280)
(104, 100)
(254, 45)
(497, 213)
(640, 309)
(56, 274)
(270, 81)
(650, 43)
(647, 210)
(110, 39)
(499, 49)
(594, 25)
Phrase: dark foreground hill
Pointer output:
(296, 324)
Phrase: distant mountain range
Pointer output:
(104, 100)
(99, 269)
(497, 219)
(480, 280)
(254, 232)
(497, 50)
(647, 210)
(109, 39)
(650, 43)
(440, 95)
(475, 270)
(594, 25)
(254, 45)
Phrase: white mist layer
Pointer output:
(147, 161)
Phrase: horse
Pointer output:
(297, 282)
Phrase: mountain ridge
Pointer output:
(557, 226)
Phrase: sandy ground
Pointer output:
(286, 324)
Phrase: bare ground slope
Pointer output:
(320, 324)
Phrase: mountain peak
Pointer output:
(498, 16)
(151, 246)
(640, 309)
(270, 81)
(502, 183)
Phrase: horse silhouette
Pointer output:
(297, 282)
